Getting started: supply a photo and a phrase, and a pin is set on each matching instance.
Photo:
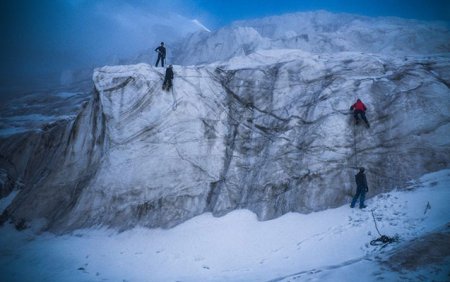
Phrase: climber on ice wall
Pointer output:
(359, 110)
(167, 84)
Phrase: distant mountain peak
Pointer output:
(316, 32)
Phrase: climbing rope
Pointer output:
(354, 146)
(383, 240)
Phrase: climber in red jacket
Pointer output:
(359, 110)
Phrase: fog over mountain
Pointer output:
(48, 44)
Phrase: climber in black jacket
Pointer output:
(361, 189)
(167, 84)
(161, 54)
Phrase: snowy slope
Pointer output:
(331, 245)
(316, 32)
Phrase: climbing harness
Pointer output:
(383, 240)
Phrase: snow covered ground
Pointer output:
(332, 245)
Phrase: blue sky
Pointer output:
(223, 12)
(45, 37)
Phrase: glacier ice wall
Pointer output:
(270, 132)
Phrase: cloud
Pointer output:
(145, 21)
(51, 37)
(123, 29)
